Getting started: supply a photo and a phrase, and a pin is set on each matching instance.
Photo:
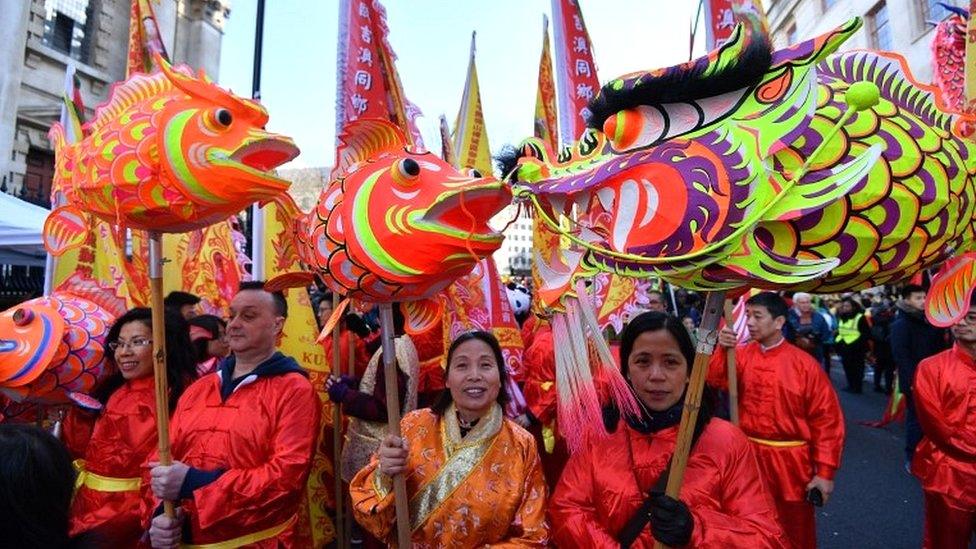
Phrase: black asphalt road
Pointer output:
(876, 504)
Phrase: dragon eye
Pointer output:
(405, 171)
(474, 173)
(223, 117)
(22, 317)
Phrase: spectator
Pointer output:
(656, 302)
(853, 335)
(912, 340)
(809, 329)
(183, 303)
(882, 316)
(209, 336)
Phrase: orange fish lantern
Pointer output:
(52, 349)
(394, 224)
(168, 152)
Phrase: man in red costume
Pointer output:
(242, 440)
(945, 460)
(789, 411)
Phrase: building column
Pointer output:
(13, 44)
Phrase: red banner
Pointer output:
(719, 22)
(575, 71)
(368, 84)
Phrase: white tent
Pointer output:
(21, 225)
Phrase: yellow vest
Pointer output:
(847, 331)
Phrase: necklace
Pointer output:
(466, 425)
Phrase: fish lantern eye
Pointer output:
(22, 317)
(406, 172)
(223, 117)
(474, 173)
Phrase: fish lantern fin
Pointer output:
(948, 299)
(85, 401)
(65, 229)
(289, 280)
(422, 315)
(365, 138)
(337, 314)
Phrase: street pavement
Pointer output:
(876, 504)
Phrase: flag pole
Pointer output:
(393, 419)
(257, 213)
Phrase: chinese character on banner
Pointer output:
(364, 79)
(577, 22)
(582, 68)
(359, 103)
(365, 34)
(363, 11)
(579, 45)
(365, 56)
(584, 91)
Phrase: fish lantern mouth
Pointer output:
(265, 154)
(465, 213)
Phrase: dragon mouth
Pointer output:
(468, 211)
(266, 154)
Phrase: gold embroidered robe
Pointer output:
(485, 489)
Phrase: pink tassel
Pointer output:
(579, 406)
(607, 370)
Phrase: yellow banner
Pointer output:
(299, 341)
(470, 134)
(545, 100)
(205, 264)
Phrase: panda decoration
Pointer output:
(520, 301)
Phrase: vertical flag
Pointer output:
(575, 70)
(546, 126)
(470, 135)
(368, 85)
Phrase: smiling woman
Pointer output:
(473, 476)
(107, 501)
(602, 497)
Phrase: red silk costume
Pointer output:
(606, 482)
(123, 437)
(945, 460)
(483, 489)
(262, 436)
(790, 412)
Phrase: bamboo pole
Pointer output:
(733, 374)
(337, 432)
(159, 353)
(393, 419)
(707, 337)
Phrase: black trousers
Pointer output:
(852, 357)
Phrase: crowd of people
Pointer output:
(244, 424)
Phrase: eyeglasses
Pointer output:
(133, 343)
(970, 318)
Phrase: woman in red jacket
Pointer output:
(107, 501)
(610, 493)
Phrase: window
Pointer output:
(68, 28)
(879, 31)
(37, 180)
(791, 35)
(933, 10)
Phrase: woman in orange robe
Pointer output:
(602, 499)
(473, 476)
(107, 499)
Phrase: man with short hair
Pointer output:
(789, 411)
(808, 328)
(912, 339)
(242, 439)
(656, 302)
(945, 461)
(183, 303)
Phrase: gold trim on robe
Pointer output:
(463, 456)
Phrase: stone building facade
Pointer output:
(39, 38)
(902, 26)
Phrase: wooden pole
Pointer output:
(351, 367)
(337, 433)
(393, 419)
(707, 337)
(159, 353)
(731, 367)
